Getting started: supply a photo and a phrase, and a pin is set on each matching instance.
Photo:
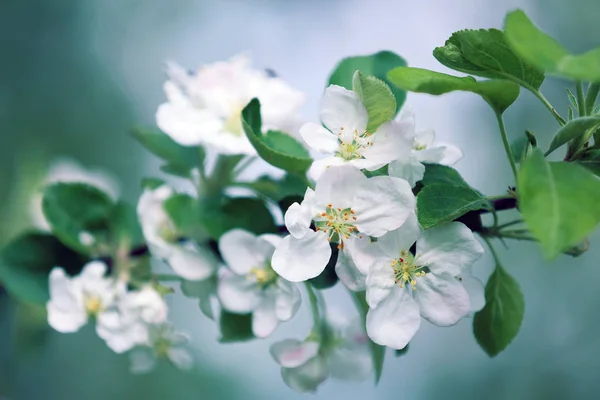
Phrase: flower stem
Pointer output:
(580, 99)
(314, 305)
(549, 106)
(591, 96)
(492, 250)
(509, 154)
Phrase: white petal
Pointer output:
(390, 142)
(141, 360)
(318, 167)
(319, 138)
(338, 185)
(187, 125)
(393, 242)
(409, 168)
(350, 363)
(175, 95)
(243, 250)
(287, 300)
(65, 321)
(383, 204)
(448, 248)
(380, 282)
(292, 353)
(476, 291)
(298, 260)
(192, 262)
(120, 333)
(442, 299)
(362, 252)
(445, 155)
(308, 376)
(181, 358)
(94, 270)
(297, 220)
(425, 138)
(264, 317)
(342, 108)
(348, 273)
(395, 320)
(238, 294)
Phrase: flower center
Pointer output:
(168, 232)
(233, 124)
(352, 149)
(162, 347)
(93, 305)
(337, 223)
(407, 270)
(264, 276)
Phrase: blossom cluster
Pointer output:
(361, 207)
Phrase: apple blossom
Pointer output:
(346, 207)
(346, 140)
(251, 285)
(164, 343)
(402, 287)
(205, 108)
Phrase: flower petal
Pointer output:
(442, 299)
(338, 186)
(383, 204)
(407, 167)
(308, 376)
(350, 363)
(292, 353)
(425, 138)
(476, 291)
(238, 294)
(242, 251)
(342, 108)
(264, 317)
(319, 138)
(297, 220)
(192, 262)
(348, 273)
(141, 360)
(318, 167)
(395, 320)
(444, 154)
(181, 358)
(287, 300)
(362, 252)
(187, 125)
(393, 242)
(298, 260)
(380, 282)
(448, 248)
(391, 141)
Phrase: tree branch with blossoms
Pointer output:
(366, 199)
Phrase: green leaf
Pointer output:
(572, 99)
(278, 189)
(519, 148)
(161, 145)
(201, 290)
(497, 324)
(152, 183)
(246, 213)
(591, 160)
(377, 351)
(376, 65)
(183, 210)
(125, 227)
(573, 129)
(439, 203)
(26, 262)
(499, 94)
(377, 98)
(73, 209)
(559, 202)
(235, 327)
(546, 54)
(485, 53)
(276, 148)
(442, 174)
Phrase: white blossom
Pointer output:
(410, 166)
(164, 343)
(205, 108)
(347, 208)
(402, 287)
(343, 355)
(251, 285)
(346, 139)
(74, 300)
(187, 259)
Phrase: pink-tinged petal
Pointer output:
(451, 248)
(395, 320)
(342, 108)
(319, 138)
(442, 299)
(292, 353)
(298, 260)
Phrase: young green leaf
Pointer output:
(497, 324)
(235, 327)
(442, 174)
(26, 262)
(519, 148)
(277, 189)
(125, 227)
(161, 145)
(572, 99)
(439, 203)
(559, 202)
(499, 94)
(75, 210)
(546, 54)
(591, 160)
(276, 148)
(377, 351)
(183, 210)
(377, 98)
(376, 65)
(485, 53)
(573, 129)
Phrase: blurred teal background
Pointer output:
(77, 75)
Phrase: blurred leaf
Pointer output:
(377, 351)
(161, 145)
(235, 327)
(276, 148)
(591, 160)
(73, 209)
(559, 202)
(125, 227)
(183, 210)
(573, 129)
(376, 65)
(152, 183)
(439, 203)
(485, 53)
(519, 148)
(497, 324)
(572, 99)
(499, 94)
(181, 171)
(278, 189)
(26, 262)
(442, 174)
(201, 290)
(546, 54)
(377, 98)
